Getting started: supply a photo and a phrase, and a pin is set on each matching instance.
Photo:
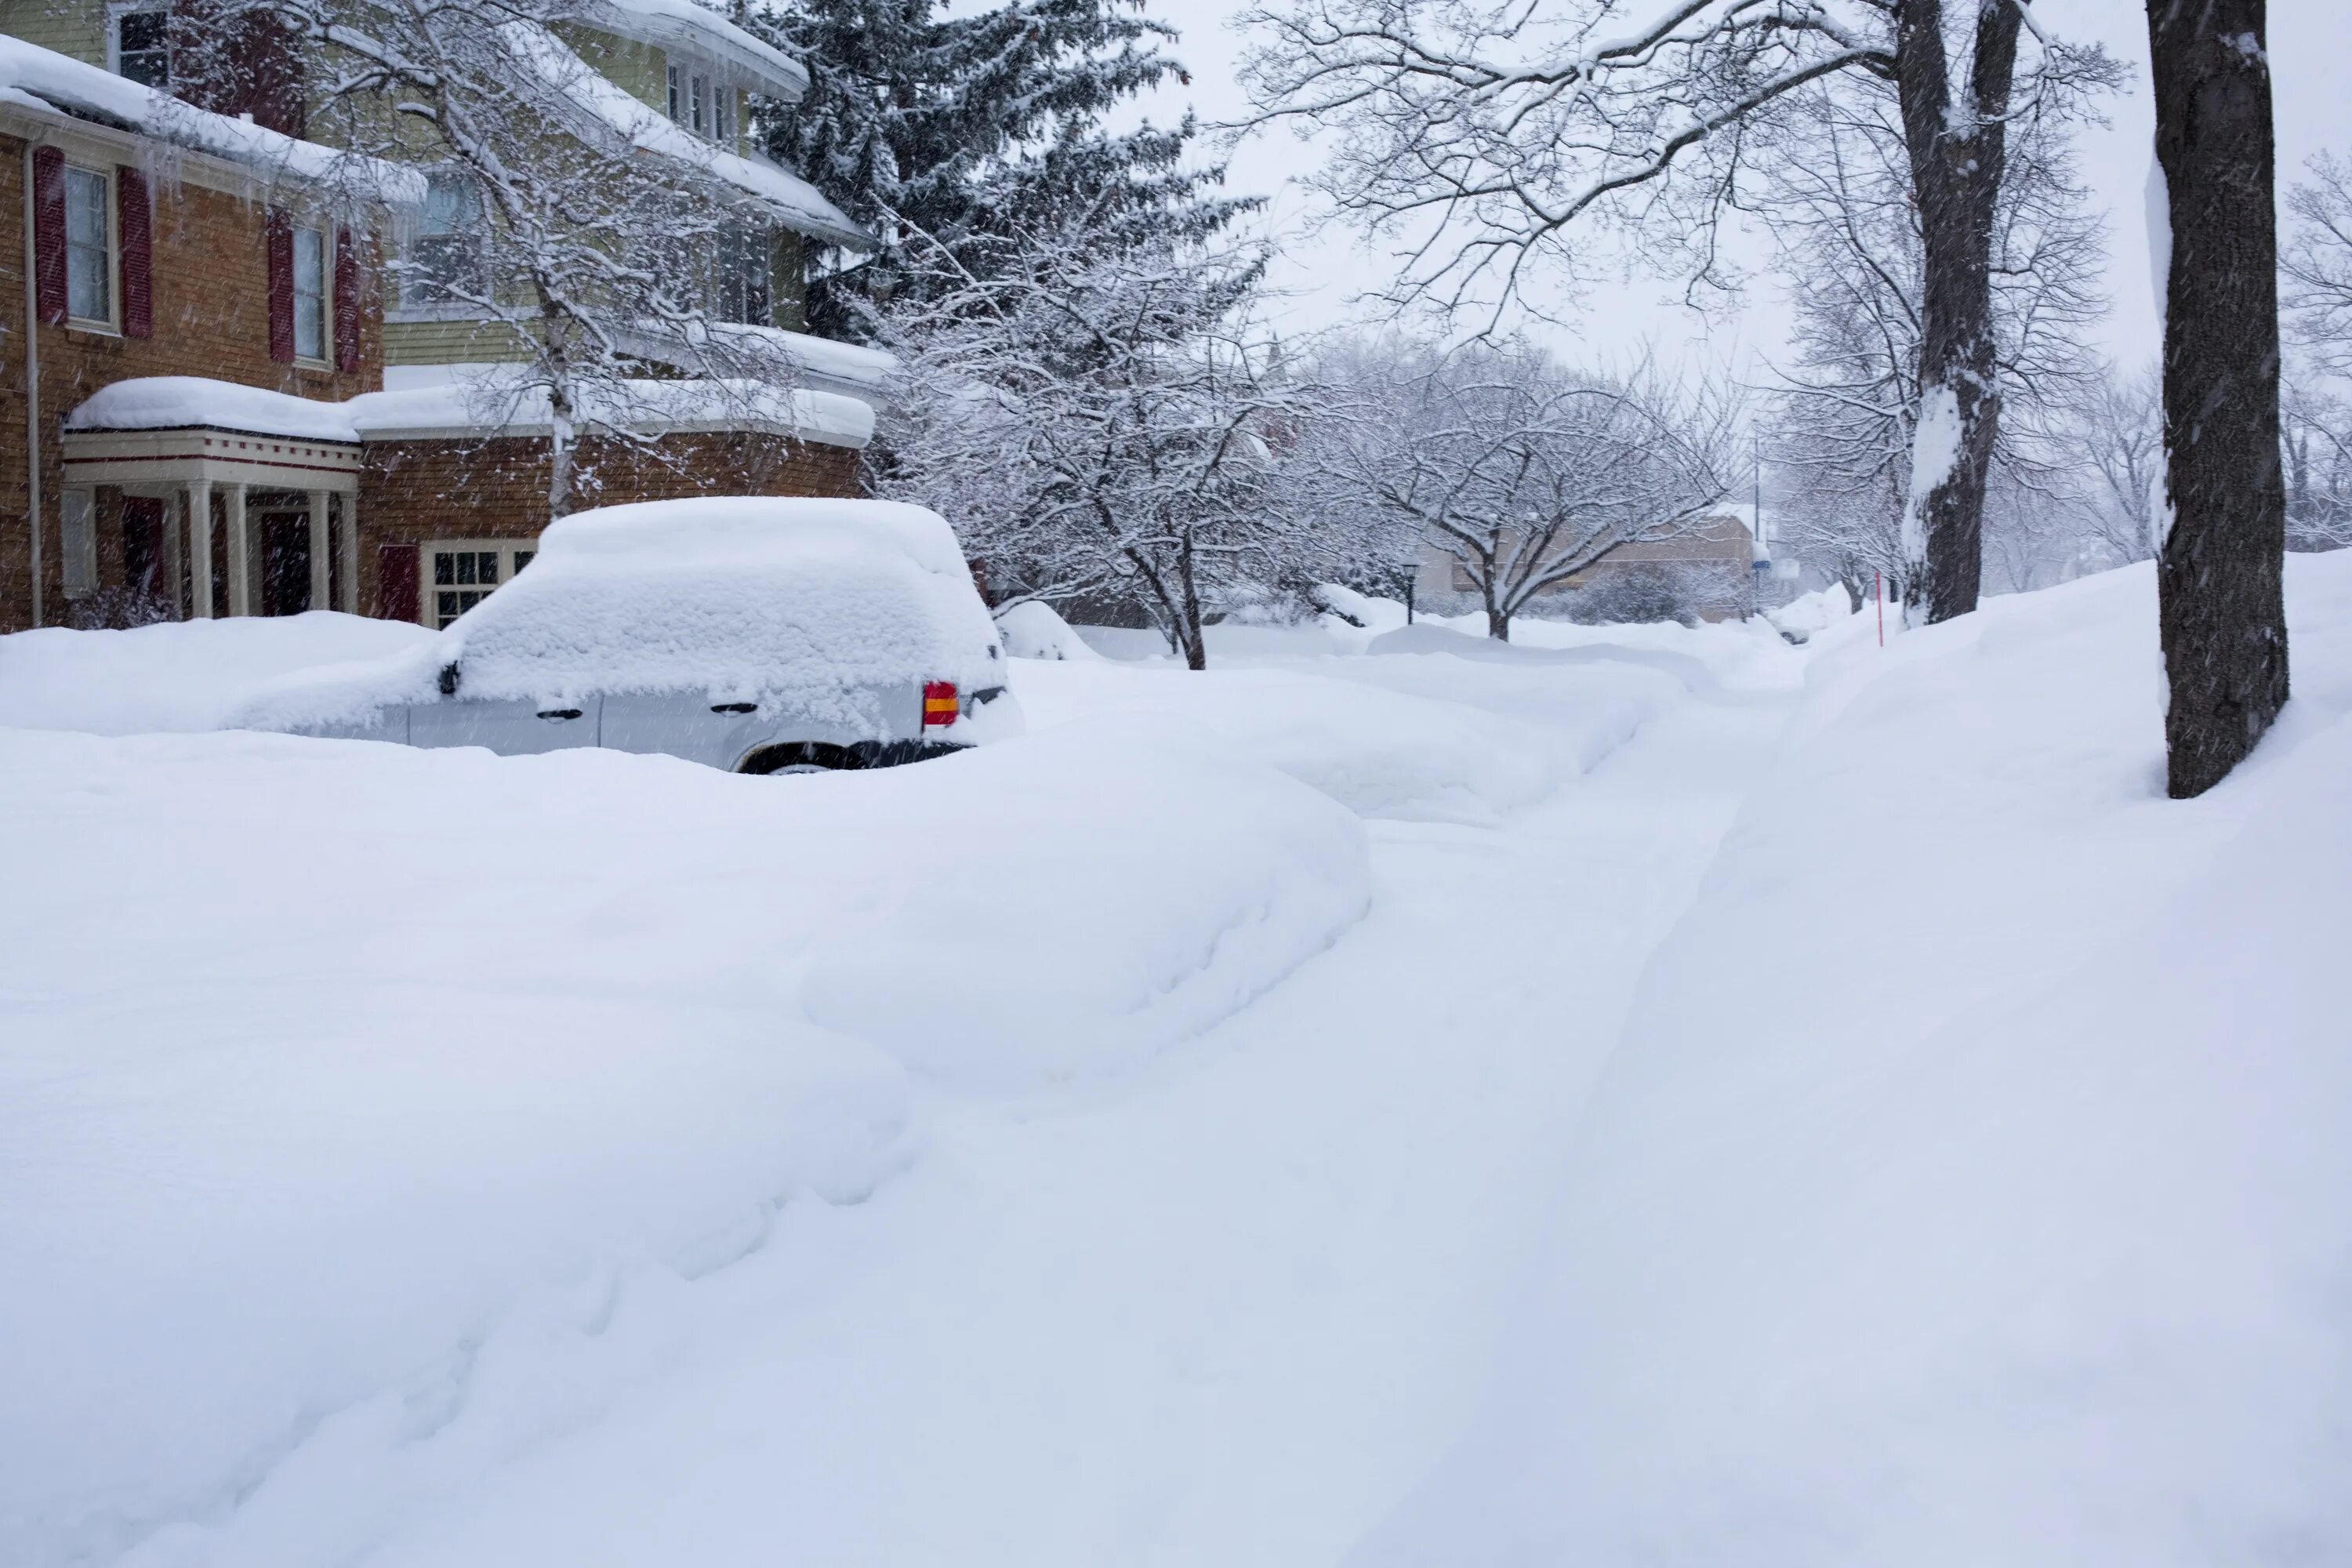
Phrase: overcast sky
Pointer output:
(1326, 262)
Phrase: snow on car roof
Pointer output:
(820, 604)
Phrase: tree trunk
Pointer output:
(1499, 621)
(2221, 606)
(1195, 639)
(1959, 156)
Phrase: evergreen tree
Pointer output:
(972, 128)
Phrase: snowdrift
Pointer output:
(333, 1066)
(1380, 753)
(1968, 1184)
(178, 676)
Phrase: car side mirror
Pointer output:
(450, 678)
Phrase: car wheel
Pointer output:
(805, 757)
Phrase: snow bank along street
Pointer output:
(1637, 1095)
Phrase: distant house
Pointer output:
(1711, 567)
(215, 399)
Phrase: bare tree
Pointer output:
(2317, 433)
(2110, 441)
(1098, 417)
(1487, 133)
(1846, 413)
(2316, 272)
(2222, 612)
(586, 225)
(1520, 473)
(2317, 264)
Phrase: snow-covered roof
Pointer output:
(493, 401)
(793, 201)
(675, 24)
(820, 363)
(37, 77)
(195, 401)
(517, 408)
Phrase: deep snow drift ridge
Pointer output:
(324, 1059)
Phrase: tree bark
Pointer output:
(1499, 621)
(1196, 640)
(2222, 611)
(1959, 156)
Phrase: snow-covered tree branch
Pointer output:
(1484, 137)
(560, 209)
(1096, 417)
(1521, 472)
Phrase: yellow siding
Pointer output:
(449, 342)
(73, 27)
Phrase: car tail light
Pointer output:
(939, 706)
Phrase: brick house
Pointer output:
(1711, 566)
(212, 400)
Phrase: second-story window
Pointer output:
(699, 104)
(89, 278)
(310, 294)
(142, 47)
(743, 260)
(449, 262)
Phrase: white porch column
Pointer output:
(240, 555)
(200, 549)
(319, 563)
(175, 548)
(351, 552)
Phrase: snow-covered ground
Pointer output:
(1641, 1095)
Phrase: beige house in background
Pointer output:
(1715, 560)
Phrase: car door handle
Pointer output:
(559, 712)
(734, 707)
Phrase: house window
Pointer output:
(142, 47)
(703, 106)
(310, 294)
(461, 572)
(89, 293)
(448, 261)
(741, 284)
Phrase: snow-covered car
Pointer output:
(755, 635)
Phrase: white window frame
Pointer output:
(465, 246)
(115, 16)
(676, 76)
(722, 115)
(110, 248)
(325, 294)
(464, 596)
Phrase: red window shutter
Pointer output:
(135, 232)
(50, 234)
(395, 582)
(281, 244)
(347, 301)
